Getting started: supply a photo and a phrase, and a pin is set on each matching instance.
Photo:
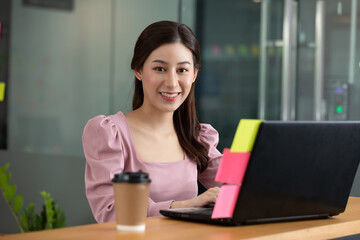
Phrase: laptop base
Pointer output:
(203, 215)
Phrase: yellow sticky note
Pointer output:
(245, 135)
(2, 91)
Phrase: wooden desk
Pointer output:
(158, 228)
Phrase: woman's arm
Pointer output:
(210, 137)
(206, 198)
(103, 151)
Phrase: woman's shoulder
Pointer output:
(109, 125)
(208, 134)
(207, 129)
(116, 118)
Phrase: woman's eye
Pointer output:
(182, 70)
(159, 69)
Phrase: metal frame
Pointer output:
(288, 66)
(352, 54)
(319, 60)
(263, 57)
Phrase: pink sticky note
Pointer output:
(226, 201)
(232, 167)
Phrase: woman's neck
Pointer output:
(159, 122)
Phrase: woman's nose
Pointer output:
(171, 79)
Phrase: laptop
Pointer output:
(296, 171)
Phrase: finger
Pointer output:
(212, 196)
(214, 189)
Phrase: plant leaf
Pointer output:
(18, 203)
(29, 220)
(60, 219)
(3, 181)
(3, 176)
(38, 223)
(9, 175)
(49, 212)
(9, 192)
(4, 168)
(27, 217)
(24, 222)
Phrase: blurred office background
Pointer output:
(64, 62)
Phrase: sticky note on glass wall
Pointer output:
(2, 91)
(245, 135)
(232, 167)
(226, 201)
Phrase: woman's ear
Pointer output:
(195, 74)
(138, 75)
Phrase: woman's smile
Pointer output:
(169, 96)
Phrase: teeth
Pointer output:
(172, 95)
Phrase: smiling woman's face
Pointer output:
(167, 76)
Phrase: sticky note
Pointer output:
(2, 91)
(245, 135)
(232, 167)
(226, 201)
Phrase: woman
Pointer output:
(162, 135)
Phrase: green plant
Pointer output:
(51, 215)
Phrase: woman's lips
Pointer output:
(169, 96)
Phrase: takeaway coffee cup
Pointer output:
(131, 191)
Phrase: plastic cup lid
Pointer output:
(131, 177)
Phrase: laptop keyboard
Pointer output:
(205, 211)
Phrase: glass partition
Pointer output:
(69, 65)
(340, 78)
(227, 86)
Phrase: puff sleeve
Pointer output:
(210, 137)
(104, 157)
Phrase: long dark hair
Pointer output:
(186, 124)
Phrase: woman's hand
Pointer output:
(203, 199)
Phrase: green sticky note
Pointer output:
(245, 135)
(2, 91)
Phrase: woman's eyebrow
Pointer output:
(166, 63)
(160, 61)
(184, 62)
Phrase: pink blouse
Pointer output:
(109, 149)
